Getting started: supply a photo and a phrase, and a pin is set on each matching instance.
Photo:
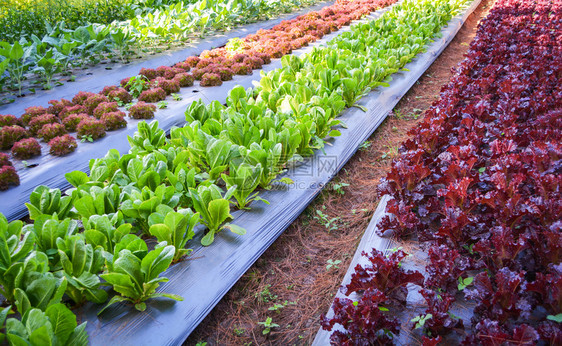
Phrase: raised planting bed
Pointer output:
(475, 199)
(246, 144)
(42, 171)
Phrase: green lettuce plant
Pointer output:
(214, 210)
(174, 228)
(135, 279)
(81, 264)
(55, 326)
(242, 180)
(44, 200)
(15, 246)
(104, 231)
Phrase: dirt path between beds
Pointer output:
(295, 280)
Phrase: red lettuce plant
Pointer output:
(184, 79)
(363, 321)
(56, 106)
(125, 83)
(120, 95)
(37, 123)
(480, 179)
(8, 120)
(114, 120)
(241, 69)
(169, 86)
(192, 61)
(254, 62)
(5, 160)
(11, 134)
(198, 73)
(105, 107)
(184, 65)
(239, 58)
(439, 321)
(385, 274)
(445, 267)
(93, 101)
(26, 148)
(168, 72)
(8, 177)
(91, 128)
(108, 89)
(72, 120)
(30, 113)
(225, 73)
(149, 73)
(76, 109)
(50, 131)
(142, 110)
(203, 63)
(210, 79)
(62, 145)
(153, 95)
(81, 97)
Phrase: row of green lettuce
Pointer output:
(172, 188)
(63, 48)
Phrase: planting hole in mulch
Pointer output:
(295, 280)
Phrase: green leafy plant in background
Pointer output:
(16, 56)
(136, 279)
(268, 325)
(137, 84)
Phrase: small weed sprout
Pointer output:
(268, 324)
(332, 264)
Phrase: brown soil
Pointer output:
(293, 273)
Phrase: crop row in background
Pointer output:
(79, 34)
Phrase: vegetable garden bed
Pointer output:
(50, 169)
(142, 189)
(482, 221)
(228, 258)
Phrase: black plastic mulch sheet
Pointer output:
(49, 170)
(205, 278)
(371, 240)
